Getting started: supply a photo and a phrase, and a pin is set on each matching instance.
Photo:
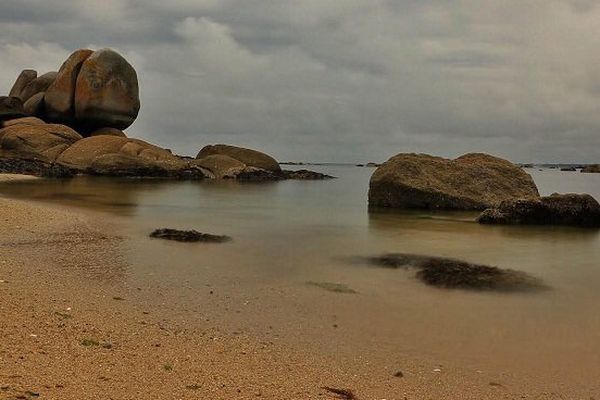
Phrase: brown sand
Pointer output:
(72, 328)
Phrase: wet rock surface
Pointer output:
(558, 209)
(452, 273)
(188, 236)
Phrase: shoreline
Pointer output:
(74, 326)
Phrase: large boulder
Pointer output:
(10, 108)
(557, 209)
(26, 76)
(251, 158)
(60, 95)
(42, 142)
(106, 92)
(120, 156)
(221, 166)
(591, 168)
(473, 181)
(39, 84)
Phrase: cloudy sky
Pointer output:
(339, 80)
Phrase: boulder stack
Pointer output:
(91, 90)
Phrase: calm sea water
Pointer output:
(289, 233)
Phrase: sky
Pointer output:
(339, 80)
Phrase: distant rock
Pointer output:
(591, 168)
(306, 175)
(372, 164)
(568, 169)
(26, 76)
(36, 142)
(39, 84)
(106, 93)
(251, 158)
(108, 131)
(451, 273)
(10, 108)
(558, 209)
(188, 236)
(473, 181)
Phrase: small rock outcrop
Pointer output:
(188, 236)
(252, 158)
(595, 168)
(473, 181)
(221, 166)
(558, 209)
(120, 156)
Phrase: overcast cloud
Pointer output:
(339, 80)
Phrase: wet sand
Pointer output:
(74, 327)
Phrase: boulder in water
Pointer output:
(251, 158)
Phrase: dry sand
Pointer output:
(72, 328)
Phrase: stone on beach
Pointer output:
(44, 142)
(474, 181)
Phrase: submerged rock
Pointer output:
(451, 273)
(473, 181)
(558, 209)
(188, 236)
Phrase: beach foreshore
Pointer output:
(73, 327)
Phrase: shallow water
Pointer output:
(289, 233)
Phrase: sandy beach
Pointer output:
(73, 327)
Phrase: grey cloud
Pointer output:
(339, 80)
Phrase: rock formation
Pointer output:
(473, 181)
(91, 90)
(558, 209)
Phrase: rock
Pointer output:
(451, 273)
(591, 168)
(372, 164)
(106, 93)
(558, 209)
(60, 96)
(188, 236)
(251, 158)
(10, 108)
(34, 167)
(26, 76)
(36, 142)
(108, 131)
(473, 181)
(23, 121)
(221, 166)
(39, 84)
(35, 105)
(119, 156)
(304, 174)
(568, 169)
